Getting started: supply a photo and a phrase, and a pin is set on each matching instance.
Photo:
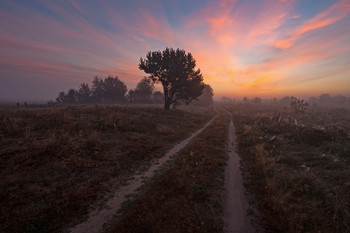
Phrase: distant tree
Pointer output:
(51, 103)
(108, 90)
(131, 96)
(84, 93)
(71, 97)
(97, 89)
(61, 97)
(274, 100)
(175, 70)
(313, 101)
(206, 99)
(285, 100)
(325, 99)
(144, 90)
(245, 99)
(114, 89)
(158, 97)
(226, 99)
(256, 100)
(340, 100)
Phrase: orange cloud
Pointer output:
(265, 26)
(237, 57)
(231, 41)
(333, 14)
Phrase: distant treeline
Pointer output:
(113, 90)
(324, 100)
(110, 90)
(330, 101)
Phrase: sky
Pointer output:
(265, 48)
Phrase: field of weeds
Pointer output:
(56, 162)
(296, 166)
(187, 195)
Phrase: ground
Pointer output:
(61, 165)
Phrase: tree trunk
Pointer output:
(166, 105)
(167, 102)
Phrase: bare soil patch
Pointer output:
(236, 206)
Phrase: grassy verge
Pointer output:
(297, 167)
(56, 162)
(185, 197)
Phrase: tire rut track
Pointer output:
(98, 218)
(236, 218)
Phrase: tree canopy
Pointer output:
(144, 90)
(107, 90)
(175, 70)
(206, 99)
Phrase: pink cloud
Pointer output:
(155, 27)
(239, 45)
(242, 25)
(48, 43)
(330, 16)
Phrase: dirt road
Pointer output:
(98, 218)
(236, 218)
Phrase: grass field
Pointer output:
(296, 166)
(56, 162)
(187, 195)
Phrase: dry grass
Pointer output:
(56, 162)
(297, 167)
(185, 197)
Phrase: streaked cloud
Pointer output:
(336, 12)
(243, 48)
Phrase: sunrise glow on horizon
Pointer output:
(265, 48)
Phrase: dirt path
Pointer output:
(98, 218)
(236, 218)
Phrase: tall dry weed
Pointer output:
(55, 162)
(297, 167)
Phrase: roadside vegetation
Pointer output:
(56, 162)
(296, 164)
(187, 195)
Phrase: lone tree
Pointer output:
(175, 70)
